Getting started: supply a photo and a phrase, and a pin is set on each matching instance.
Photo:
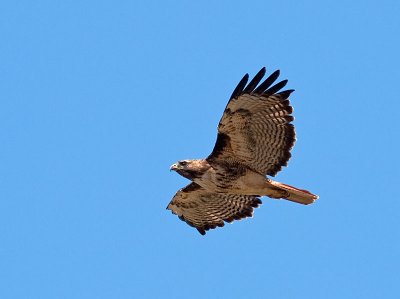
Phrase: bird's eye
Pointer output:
(183, 163)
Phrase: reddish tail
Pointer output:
(297, 195)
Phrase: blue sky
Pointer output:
(99, 98)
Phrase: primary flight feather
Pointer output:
(255, 136)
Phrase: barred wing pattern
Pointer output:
(206, 210)
(255, 129)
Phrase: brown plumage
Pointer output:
(255, 136)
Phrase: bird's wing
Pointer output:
(255, 128)
(206, 210)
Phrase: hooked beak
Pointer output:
(173, 167)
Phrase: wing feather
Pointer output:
(239, 88)
(206, 210)
(255, 129)
(254, 82)
(267, 83)
(275, 88)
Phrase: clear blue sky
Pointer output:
(99, 98)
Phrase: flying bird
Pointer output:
(255, 136)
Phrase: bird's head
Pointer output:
(180, 165)
(190, 169)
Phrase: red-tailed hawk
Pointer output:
(255, 136)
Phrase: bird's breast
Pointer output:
(223, 181)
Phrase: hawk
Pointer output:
(255, 136)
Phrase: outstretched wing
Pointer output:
(205, 210)
(255, 129)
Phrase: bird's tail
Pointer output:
(292, 193)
